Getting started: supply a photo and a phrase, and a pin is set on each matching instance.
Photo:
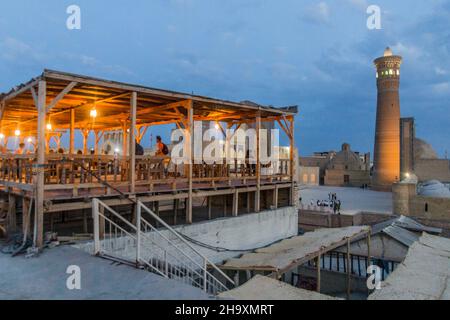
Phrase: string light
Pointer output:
(93, 113)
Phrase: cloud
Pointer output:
(359, 4)
(13, 49)
(441, 88)
(409, 52)
(318, 13)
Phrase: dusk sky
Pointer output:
(314, 54)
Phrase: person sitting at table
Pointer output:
(161, 148)
(139, 150)
(21, 149)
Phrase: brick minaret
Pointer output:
(387, 133)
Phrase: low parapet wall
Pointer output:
(309, 220)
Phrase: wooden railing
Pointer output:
(62, 169)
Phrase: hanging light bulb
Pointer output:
(17, 133)
(49, 126)
(216, 126)
(2, 136)
(30, 140)
(93, 113)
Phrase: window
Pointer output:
(313, 178)
(391, 72)
(426, 207)
(305, 178)
(398, 72)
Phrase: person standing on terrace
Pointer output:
(161, 148)
(21, 149)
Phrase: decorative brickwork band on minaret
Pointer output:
(387, 133)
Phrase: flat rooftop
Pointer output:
(353, 200)
(423, 275)
(265, 288)
(45, 277)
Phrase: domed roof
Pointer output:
(345, 158)
(388, 52)
(434, 189)
(423, 150)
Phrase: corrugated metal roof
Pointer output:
(410, 224)
(401, 235)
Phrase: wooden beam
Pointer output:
(292, 161)
(275, 198)
(258, 165)
(72, 132)
(133, 109)
(61, 95)
(39, 237)
(12, 214)
(18, 92)
(35, 97)
(26, 225)
(188, 147)
(235, 211)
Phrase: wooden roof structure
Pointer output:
(111, 99)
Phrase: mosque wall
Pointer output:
(432, 169)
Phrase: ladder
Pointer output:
(160, 250)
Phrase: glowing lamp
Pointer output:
(30, 140)
(116, 150)
(2, 136)
(217, 126)
(17, 133)
(93, 113)
(49, 126)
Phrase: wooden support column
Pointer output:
(26, 226)
(291, 158)
(188, 147)
(258, 165)
(12, 214)
(133, 142)
(96, 140)
(176, 204)
(318, 273)
(275, 198)
(85, 222)
(125, 139)
(39, 211)
(101, 222)
(248, 202)
(72, 132)
(349, 270)
(85, 141)
(235, 211)
(225, 205)
(209, 208)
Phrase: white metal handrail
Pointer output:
(148, 246)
